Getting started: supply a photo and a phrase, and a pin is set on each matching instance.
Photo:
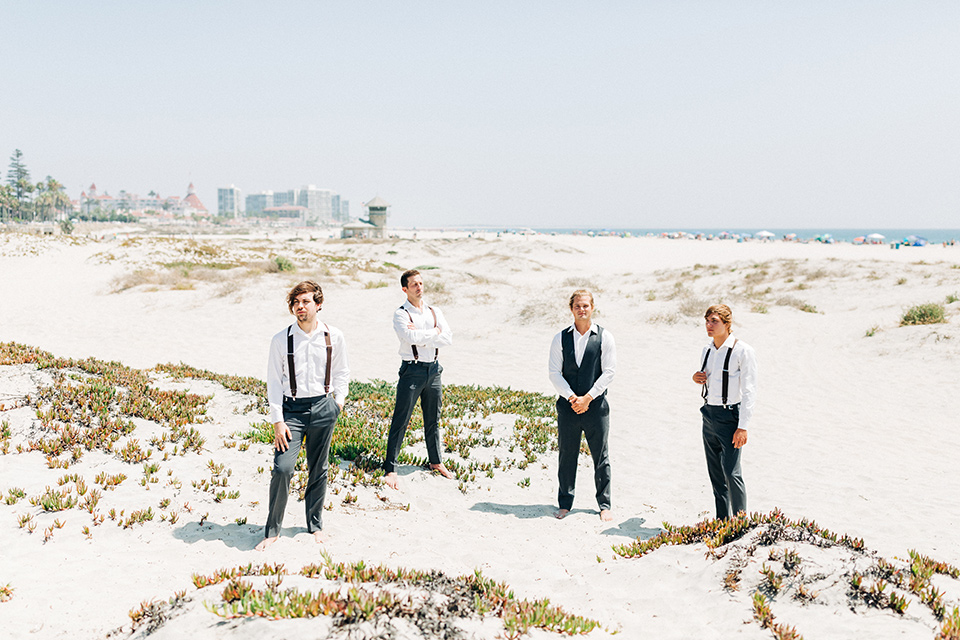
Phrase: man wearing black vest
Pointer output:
(583, 359)
(422, 330)
(307, 383)
(728, 374)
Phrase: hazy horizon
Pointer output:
(537, 114)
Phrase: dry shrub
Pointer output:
(664, 318)
(693, 307)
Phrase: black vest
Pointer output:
(581, 378)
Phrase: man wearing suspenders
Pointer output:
(422, 331)
(583, 360)
(307, 383)
(728, 374)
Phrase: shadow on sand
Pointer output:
(633, 528)
(523, 511)
(237, 536)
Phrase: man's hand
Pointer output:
(700, 377)
(281, 436)
(739, 438)
(580, 404)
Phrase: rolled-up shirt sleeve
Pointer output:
(555, 368)
(748, 386)
(608, 364)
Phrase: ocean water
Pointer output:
(934, 236)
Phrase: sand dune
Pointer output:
(854, 429)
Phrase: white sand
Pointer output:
(859, 433)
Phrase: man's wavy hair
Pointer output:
(722, 310)
(307, 286)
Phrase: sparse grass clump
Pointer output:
(872, 331)
(929, 313)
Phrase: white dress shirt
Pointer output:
(742, 382)
(424, 335)
(608, 360)
(310, 365)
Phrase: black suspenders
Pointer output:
(292, 370)
(726, 374)
(416, 355)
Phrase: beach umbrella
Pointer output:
(876, 236)
(859, 240)
(765, 234)
(790, 236)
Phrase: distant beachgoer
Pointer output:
(728, 374)
(307, 383)
(583, 360)
(422, 330)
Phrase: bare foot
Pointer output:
(560, 515)
(605, 515)
(319, 537)
(266, 542)
(392, 481)
(442, 470)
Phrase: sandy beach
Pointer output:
(854, 428)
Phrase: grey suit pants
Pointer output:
(594, 424)
(311, 422)
(723, 460)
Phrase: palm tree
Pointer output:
(56, 198)
(8, 201)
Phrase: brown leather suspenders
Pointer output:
(416, 355)
(293, 373)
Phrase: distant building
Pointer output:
(377, 212)
(360, 229)
(228, 202)
(191, 205)
(290, 211)
(257, 202)
(372, 227)
(92, 203)
(319, 204)
(281, 198)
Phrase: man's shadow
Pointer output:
(522, 511)
(633, 528)
(237, 536)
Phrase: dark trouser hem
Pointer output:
(595, 425)
(723, 460)
(311, 422)
(417, 382)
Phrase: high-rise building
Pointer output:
(344, 211)
(228, 202)
(257, 202)
(319, 205)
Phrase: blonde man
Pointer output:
(728, 373)
(583, 360)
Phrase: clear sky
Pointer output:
(514, 113)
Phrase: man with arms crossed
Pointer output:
(583, 359)
(422, 331)
(307, 383)
(728, 374)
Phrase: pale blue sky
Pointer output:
(598, 114)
